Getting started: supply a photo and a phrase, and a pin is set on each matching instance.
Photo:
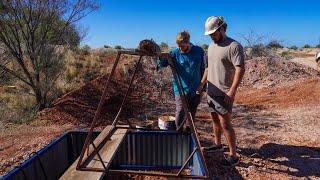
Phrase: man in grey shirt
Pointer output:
(223, 74)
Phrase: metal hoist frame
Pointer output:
(81, 165)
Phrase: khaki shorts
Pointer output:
(218, 105)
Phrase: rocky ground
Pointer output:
(276, 118)
(277, 133)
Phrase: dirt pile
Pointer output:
(304, 92)
(270, 72)
(79, 106)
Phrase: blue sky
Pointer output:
(126, 22)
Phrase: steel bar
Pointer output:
(104, 166)
(151, 173)
(186, 162)
(98, 111)
(97, 115)
(177, 78)
(127, 93)
(143, 129)
(114, 121)
(86, 161)
(189, 115)
(136, 52)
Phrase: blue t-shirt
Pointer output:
(190, 67)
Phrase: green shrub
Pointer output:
(274, 44)
(79, 65)
(284, 54)
(118, 47)
(307, 46)
(293, 47)
(17, 107)
(71, 73)
(85, 50)
(90, 75)
(205, 46)
(164, 46)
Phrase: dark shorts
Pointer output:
(218, 105)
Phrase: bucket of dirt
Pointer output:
(167, 122)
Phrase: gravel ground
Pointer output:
(277, 125)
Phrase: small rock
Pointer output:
(251, 168)
(256, 160)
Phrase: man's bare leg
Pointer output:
(216, 128)
(229, 133)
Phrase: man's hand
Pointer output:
(200, 88)
(229, 98)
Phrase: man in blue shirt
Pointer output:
(189, 62)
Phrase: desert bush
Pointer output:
(17, 107)
(85, 50)
(258, 50)
(254, 46)
(205, 47)
(306, 46)
(5, 78)
(118, 47)
(90, 75)
(87, 63)
(293, 47)
(69, 57)
(286, 55)
(71, 73)
(164, 46)
(78, 65)
(274, 44)
(105, 52)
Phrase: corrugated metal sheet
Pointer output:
(51, 161)
(140, 150)
(161, 149)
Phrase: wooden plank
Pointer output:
(107, 153)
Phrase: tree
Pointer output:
(118, 47)
(205, 46)
(293, 47)
(306, 46)
(85, 50)
(254, 45)
(164, 46)
(274, 44)
(32, 33)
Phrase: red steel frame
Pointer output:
(83, 162)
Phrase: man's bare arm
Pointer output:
(235, 83)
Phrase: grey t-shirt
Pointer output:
(222, 59)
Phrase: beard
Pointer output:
(219, 40)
